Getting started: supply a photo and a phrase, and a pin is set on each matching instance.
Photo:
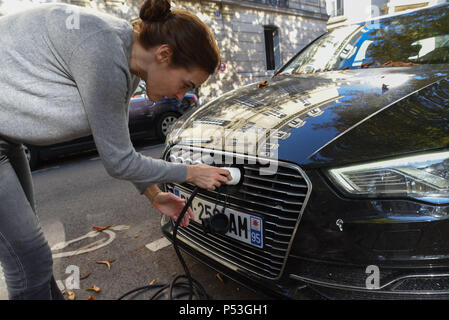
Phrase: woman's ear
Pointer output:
(164, 53)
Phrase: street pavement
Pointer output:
(75, 194)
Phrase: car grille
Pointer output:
(279, 199)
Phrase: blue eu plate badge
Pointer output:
(256, 231)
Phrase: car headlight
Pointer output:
(424, 177)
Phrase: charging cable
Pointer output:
(195, 289)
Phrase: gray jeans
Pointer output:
(25, 255)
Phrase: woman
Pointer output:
(60, 81)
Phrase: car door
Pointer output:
(140, 110)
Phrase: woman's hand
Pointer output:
(207, 177)
(169, 204)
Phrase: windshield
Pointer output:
(420, 37)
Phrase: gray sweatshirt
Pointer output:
(64, 74)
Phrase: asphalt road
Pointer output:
(75, 194)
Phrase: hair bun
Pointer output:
(155, 10)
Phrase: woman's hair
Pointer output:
(190, 39)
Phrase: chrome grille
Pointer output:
(278, 198)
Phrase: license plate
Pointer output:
(242, 226)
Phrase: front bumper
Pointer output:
(283, 288)
(403, 239)
(322, 280)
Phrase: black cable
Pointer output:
(175, 245)
(195, 288)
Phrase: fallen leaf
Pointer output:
(106, 263)
(84, 276)
(366, 64)
(91, 298)
(99, 229)
(219, 277)
(262, 84)
(398, 64)
(154, 281)
(71, 295)
(94, 288)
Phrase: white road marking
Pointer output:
(60, 284)
(90, 247)
(3, 292)
(158, 244)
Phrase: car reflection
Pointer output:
(147, 120)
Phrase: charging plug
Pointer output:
(235, 174)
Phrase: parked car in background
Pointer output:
(344, 155)
(146, 120)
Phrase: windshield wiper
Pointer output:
(389, 63)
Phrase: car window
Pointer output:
(140, 90)
(420, 37)
(433, 48)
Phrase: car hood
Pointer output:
(316, 119)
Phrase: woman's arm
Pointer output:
(99, 67)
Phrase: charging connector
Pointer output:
(219, 223)
(235, 174)
(232, 186)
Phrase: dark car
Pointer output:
(146, 120)
(344, 156)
